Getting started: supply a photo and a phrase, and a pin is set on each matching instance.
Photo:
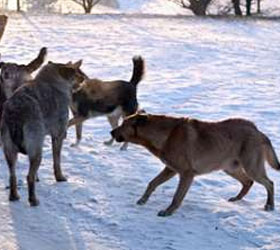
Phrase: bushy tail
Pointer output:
(38, 61)
(138, 70)
(270, 154)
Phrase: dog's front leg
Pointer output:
(56, 148)
(162, 177)
(76, 120)
(185, 182)
(113, 120)
(124, 146)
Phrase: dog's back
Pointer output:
(95, 97)
(22, 114)
(37, 108)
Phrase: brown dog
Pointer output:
(191, 147)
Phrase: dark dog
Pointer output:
(14, 75)
(191, 147)
(115, 99)
(37, 108)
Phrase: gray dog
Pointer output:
(38, 108)
(14, 75)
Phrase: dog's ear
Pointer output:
(78, 64)
(67, 73)
(43, 51)
(141, 120)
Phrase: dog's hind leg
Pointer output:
(246, 182)
(185, 182)
(11, 158)
(254, 167)
(162, 177)
(259, 175)
(56, 148)
(31, 177)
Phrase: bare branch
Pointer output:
(87, 4)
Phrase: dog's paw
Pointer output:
(269, 207)
(34, 202)
(60, 178)
(164, 213)
(141, 201)
(109, 142)
(232, 199)
(74, 145)
(14, 197)
(123, 147)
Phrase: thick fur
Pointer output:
(36, 109)
(14, 75)
(115, 99)
(191, 147)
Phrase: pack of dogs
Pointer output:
(33, 107)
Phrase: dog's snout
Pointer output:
(116, 135)
(113, 132)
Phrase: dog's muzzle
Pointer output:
(117, 136)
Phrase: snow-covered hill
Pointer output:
(204, 68)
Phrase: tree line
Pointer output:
(87, 5)
(198, 7)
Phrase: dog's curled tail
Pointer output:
(38, 61)
(270, 154)
(138, 70)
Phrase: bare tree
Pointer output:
(248, 7)
(198, 7)
(236, 6)
(258, 6)
(87, 4)
(18, 6)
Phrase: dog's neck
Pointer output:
(155, 134)
(49, 77)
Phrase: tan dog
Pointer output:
(191, 147)
(115, 99)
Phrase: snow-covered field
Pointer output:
(204, 68)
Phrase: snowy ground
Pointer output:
(204, 68)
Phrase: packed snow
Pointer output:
(203, 68)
